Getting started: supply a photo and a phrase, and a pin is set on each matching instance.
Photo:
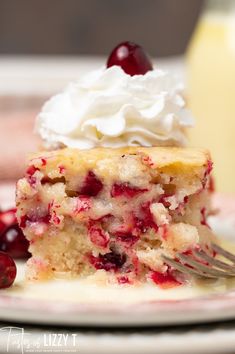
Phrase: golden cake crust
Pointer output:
(157, 157)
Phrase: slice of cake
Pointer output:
(116, 191)
(115, 211)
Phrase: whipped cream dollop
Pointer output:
(110, 108)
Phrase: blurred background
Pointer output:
(45, 44)
(68, 27)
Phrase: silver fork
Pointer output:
(214, 268)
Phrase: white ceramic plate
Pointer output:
(75, 303)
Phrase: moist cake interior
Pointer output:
(114, 212)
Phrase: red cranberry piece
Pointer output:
(127, 239)
(92, 185)
(34, 218)
(83, 203)
(61, 169)
(146, 221)
(125, 190)
(164, 201)
(164, 280)
(163, 198)
(98, 236)
(109, 261)
(204, 217)
(123, 279)
(23, 221)
(43, 161)
(31, 178)
(207, 173)
(131, 58)
(147, 161)
(43, 219)
(31, 170)
(7, 270)
(13, 241)
(209, 167)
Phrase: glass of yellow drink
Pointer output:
(211, 88)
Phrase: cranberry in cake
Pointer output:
(114, 210)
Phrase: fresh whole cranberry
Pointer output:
(131, 58)
(13, 242)
(7, 270)
(7, 218)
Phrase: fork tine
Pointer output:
(185, 269)
(222, 252)
(214, 262)
(204, 268)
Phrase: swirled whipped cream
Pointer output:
(110, 108)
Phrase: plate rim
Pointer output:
(210, 308)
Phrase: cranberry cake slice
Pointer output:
(114, 211)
